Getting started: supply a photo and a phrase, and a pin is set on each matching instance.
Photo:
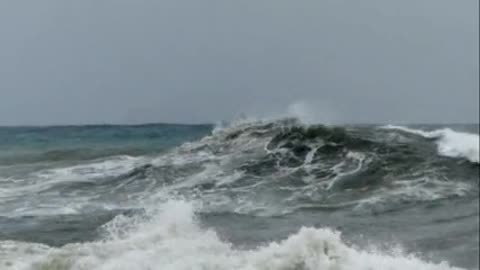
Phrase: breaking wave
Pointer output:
(450, 143)
(171, 238)
(144, 212)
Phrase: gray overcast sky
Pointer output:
(133, 61)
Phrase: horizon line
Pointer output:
(211, 124)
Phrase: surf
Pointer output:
(172, 238)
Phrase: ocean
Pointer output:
(256, 195)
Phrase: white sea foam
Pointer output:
(359, 160)
(111, 167)
(450, 143)
(172, 239)
(29, 196)
(410, 191)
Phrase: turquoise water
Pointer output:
(70, 143)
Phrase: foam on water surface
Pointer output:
(172, 239)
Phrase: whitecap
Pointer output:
(450, 143)
(172, 239)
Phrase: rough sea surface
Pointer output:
(266, 195)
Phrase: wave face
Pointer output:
(253, 195)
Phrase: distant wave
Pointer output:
(76, 154)
(450, 143)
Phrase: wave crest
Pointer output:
(450, 143)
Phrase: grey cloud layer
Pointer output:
(201, 61)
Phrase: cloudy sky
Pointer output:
(134, 61)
